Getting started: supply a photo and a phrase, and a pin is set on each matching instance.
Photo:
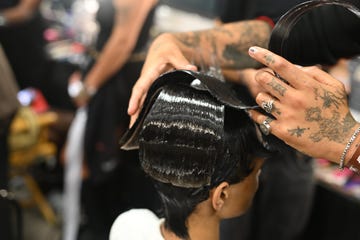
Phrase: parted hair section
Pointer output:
(190, 140)
(181, 137)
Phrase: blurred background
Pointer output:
(61, 40)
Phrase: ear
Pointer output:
(220, 194)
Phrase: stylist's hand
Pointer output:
(311, 113)
(164, 55)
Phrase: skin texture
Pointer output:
(227, 44)
(311, 111)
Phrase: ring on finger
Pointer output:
(268, 106)
(265, 126)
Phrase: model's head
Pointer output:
(196, 149)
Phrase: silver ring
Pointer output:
(265, 126)
(268, 106)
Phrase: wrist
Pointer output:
(354, 162)
(80, 91)
(354, 146)
(350, 148)
(90, 90)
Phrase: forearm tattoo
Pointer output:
(234, 53)
(229, 45)
(191, 40)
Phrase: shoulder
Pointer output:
(136, 224)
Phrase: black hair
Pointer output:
(189, 143)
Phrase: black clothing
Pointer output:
(116, 183)
(233, 11)
(8, 3)
(107, 110)
(282, 205)
(24, 46)
(324, 35)
(5, 210)
(283, 202)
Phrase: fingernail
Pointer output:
(252, 49)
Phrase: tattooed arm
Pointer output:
(312, 112)
(129, 18)
(228, 44)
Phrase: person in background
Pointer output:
(204, 161)
(21, 34)
(22, 29)
(114, 181)
(8, 107)
(19, 46)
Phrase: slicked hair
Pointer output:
(190, 143)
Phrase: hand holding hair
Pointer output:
(310, 108)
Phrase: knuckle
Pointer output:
(259, 97)
(279, 64)
(313, 69)
(262, 76)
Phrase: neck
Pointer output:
(204, 227)
(202, 224)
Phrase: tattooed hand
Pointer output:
(312, 113)
(227, 43)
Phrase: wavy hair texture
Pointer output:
(189, 143)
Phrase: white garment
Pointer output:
(136, 224)
(74, 155)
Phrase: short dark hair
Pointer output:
(189, 143)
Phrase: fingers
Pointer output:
(269, 104)
(288, 71)
(272, 84)
(264, 121)
(152, 69)
(137, 101)
(133, 118)
(178, 61)
(247, 77)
